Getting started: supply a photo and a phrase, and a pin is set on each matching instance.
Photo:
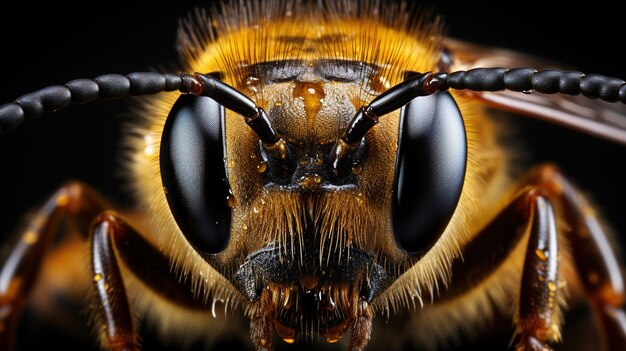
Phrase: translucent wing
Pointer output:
(596, 117)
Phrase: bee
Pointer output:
(299, 222)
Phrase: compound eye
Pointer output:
(193, 172)
(430, 170)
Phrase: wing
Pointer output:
(596, 117)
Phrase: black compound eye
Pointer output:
(430, 170)
(193, 172)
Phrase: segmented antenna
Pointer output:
(593, 86)
(115, 86)
(82, 91)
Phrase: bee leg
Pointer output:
(20, 267)
(593, 256)
(539, 305)
(113, 241)
(117, 331)
(538, 321)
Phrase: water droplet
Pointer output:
(312, 94)
(231, 201)
(63, 200)
(551, 286)
(30, 237)
(541, 254)
(263, 342)
(317, 179)
(282, 147)
(359, 198)
(97, 277)
(261, 167)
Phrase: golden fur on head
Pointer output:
(341, 219)
(248, 32)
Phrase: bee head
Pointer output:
(305, 219)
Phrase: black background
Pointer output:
(50, 44)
